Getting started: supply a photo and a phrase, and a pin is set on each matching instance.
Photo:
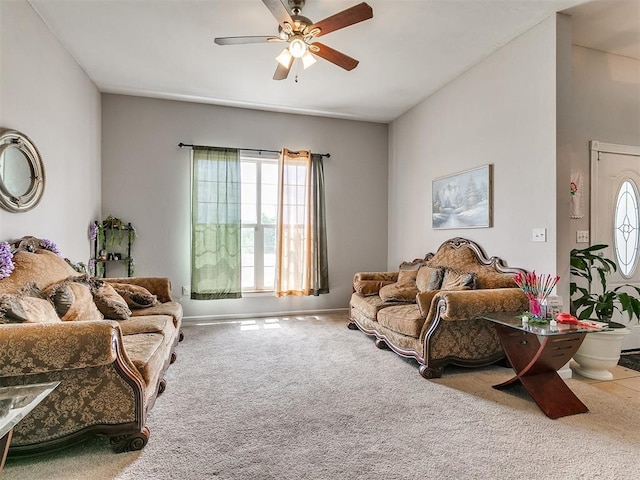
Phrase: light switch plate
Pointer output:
(582, 236)
(539, 234)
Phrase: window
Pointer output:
(259, 198)
(626, 225)
(238, 196)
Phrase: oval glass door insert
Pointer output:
(626, 227)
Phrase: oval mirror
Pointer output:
(21, 172)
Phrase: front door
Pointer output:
(615, 216)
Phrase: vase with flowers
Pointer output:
(537, 288)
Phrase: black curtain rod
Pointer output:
(259, 150)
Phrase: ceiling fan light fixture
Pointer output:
(287, 29)
(285, 58)
(297, 47)
(308, 59)
(300, 32)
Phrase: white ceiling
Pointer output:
(410, 49)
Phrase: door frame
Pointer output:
(631, 341)
(596, 148)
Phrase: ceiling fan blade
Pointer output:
(282, 72)
(243, 40)
(278, 10)
(355, 14)
(334, 56)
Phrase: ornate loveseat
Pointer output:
(107, 342)
(427, 310)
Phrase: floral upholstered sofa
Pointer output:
(427, 310)
(108, 342)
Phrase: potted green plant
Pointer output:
(588, 264)
(600, 351)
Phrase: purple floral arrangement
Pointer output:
(49, 245)
(93, 231)
(6, 260)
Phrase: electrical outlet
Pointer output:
(582, 236)
(539, 234)
(185, 290)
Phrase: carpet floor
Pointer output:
(306, 398)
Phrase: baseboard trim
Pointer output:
(245, 316)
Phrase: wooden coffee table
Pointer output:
(536, 352)
(15, 403)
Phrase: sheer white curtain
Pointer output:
(294, 235)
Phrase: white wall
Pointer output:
(145, 180)
(605, 107)
(46, 95)
(564, 121)
(503, 112)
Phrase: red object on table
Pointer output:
(567, 319)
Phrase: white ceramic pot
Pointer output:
(599, 353)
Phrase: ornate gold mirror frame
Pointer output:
(21, 172)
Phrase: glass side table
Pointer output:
(15, 403)
(536, 352)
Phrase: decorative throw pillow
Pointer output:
(429, 278)
(407, 276)
(455, 280)
(135, 295)
(108, 301)
(492, 279)
(61, 296)
(369, 287)
(42, 266)
(73, 301)
(412, 265)
(399, 292)
(19, 308)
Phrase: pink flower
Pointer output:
(574, 188)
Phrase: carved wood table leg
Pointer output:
(4, 448)
(536, 363)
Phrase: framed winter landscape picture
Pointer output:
(463, 200)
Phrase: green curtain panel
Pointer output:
(215, 224)
(320, 267)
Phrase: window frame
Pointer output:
(259, 159)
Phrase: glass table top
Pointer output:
(538, 327)
(17, 401)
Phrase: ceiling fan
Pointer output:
(299, 32)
